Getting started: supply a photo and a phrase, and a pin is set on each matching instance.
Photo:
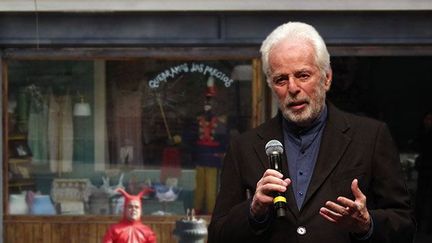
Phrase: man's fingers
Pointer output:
(348, 213)
(271, 180)
(263, 198)
(269, 183)
(358, 194)
(334, 207)
(349, 204)
(327, 217)
(271, 172)
(330, 215)
(270, 187)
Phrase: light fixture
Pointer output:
(81, 108)
(242, 73)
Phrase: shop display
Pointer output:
(37, 135)
(18, 204)
(99, 202)
(71, 195)
(126, 115)
(143, 120)
(60, 134)
(40, 204)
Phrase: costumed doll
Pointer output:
(130, 229)
(209, 151)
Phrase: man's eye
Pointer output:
(303, 76)
(280, 80)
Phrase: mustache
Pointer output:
(295, 100)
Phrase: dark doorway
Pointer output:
(396, 90)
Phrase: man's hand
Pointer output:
(270, 182)
(352, 215)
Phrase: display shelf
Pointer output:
(18, 185)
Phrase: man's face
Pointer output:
(297, 81)
(133, 211)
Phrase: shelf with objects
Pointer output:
(19, 174)
(19, 158)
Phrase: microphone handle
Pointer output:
(279, 200)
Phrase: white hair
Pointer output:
(293, 31)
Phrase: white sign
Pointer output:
(190, 68)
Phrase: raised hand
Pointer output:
(352, 215)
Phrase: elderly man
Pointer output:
(130, 229)
(340, 175)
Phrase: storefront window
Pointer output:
(77, 130)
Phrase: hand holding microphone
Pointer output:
(271, 183)
(274, 151)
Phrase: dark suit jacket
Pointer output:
(351, 147)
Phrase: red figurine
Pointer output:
(130, 229)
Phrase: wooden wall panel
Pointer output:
(46, 236)
(83, 232)
(19, 231)
(55, 232)
(76, 229)
(37, 232)
(100, 231)
(27, 235)
(9, 233)
(92, 233)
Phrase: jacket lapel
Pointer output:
(267, 132)
(334, 142)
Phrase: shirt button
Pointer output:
(300, 172)
(301, 230)
(300, 193)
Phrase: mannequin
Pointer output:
(130, 229)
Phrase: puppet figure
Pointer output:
(130, 229)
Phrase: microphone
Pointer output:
(274, 151)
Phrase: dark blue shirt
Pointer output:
(301, 148)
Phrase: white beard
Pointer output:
(312, 110)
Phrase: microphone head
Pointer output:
(273, 146)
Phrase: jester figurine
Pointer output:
(130, 229)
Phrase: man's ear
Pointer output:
(328, 79)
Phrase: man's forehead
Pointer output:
(134, 202)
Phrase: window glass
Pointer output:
(77, 130)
